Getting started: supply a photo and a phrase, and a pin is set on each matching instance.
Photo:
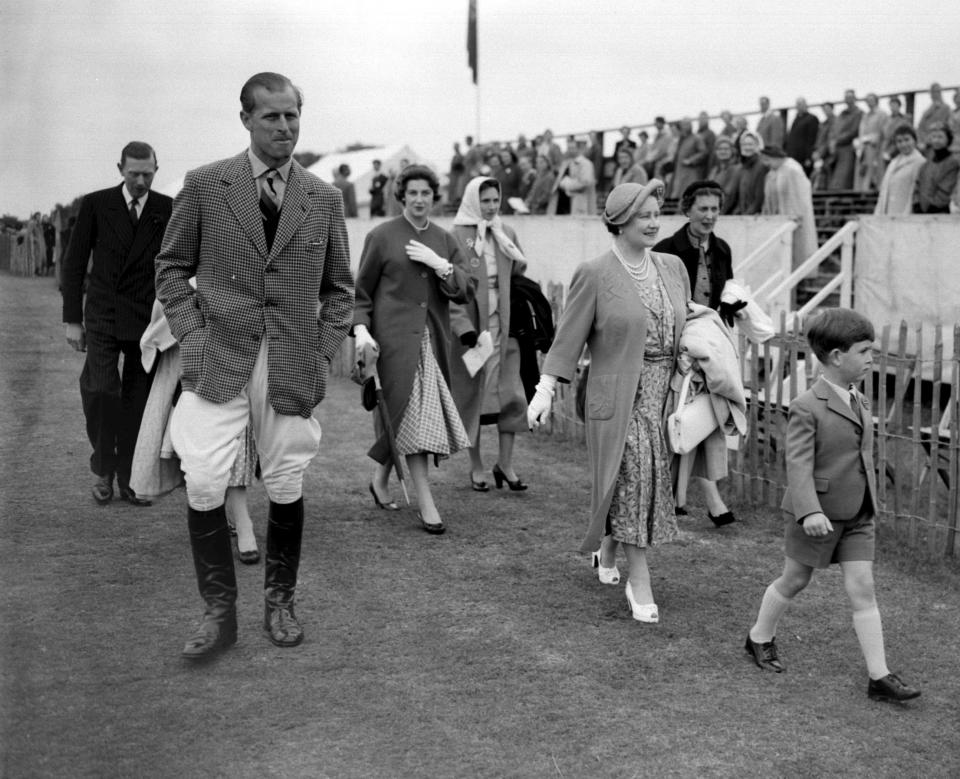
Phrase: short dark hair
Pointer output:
(137, 150)
(905, 129)
(272, 82)
(837, 328)
(697, 188)
(413, 173)
(344, 170)
(489, 184)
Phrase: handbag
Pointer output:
(692, 421)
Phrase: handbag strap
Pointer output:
(684, 389)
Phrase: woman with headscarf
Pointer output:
(900, 177)
(410, 272)
(752, 175)
(628, 306)
(786, 191)
(494, 395)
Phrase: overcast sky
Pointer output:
(81, 78)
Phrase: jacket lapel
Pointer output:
(835, 403)
(296, 204)
(119, 218)
(150, 222)
(240, 192)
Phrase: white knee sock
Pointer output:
(771, 609)
(869, 631)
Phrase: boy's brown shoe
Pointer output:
(764, 655)
(891, 688)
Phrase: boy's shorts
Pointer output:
(850, 540)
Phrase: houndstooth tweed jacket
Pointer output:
(299, 295)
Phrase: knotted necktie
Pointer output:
(133, 212)
(269, 200)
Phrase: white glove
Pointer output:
(539, 406)
(365, 349)
(418, 252)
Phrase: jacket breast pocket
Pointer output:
(601, 396)
(317, 245)
(821, 485)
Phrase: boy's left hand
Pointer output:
(817, 524)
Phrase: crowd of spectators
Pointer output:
(850, 150)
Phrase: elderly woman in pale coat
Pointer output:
(786, 190)
(628, 306)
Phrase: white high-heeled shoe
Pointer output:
(642, 612)
(605, 575)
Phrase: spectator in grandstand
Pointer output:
(823, 157)
(508, 174)
(527, 176)
(739, 127)
(845, 156)
(708, 137)
(868, 145)
(786, 191)
(938, 174)
(472, 161)
(538, 198)
(549, 149)
(377, 184)
(578, 182)
(659, 152)
(802, 137)
(752, 175)
(937, 112)
(643, 146)
(455, 180)
(900, 179)
(625, 142)
(896, 120)
(729, 129)
(690, 157)
(627, 169)
(770, 125)
(726, 173)
(953, 124)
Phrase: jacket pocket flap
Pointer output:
(822, 485)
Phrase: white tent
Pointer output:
(361, 168)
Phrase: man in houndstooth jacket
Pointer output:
(267, 243)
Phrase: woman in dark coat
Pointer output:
(410, 272)
(494, 395)
(628, 306)
(937, 177)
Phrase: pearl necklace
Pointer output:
(639, 272)
(411, 223)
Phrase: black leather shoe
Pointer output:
(890, 688)
(103, 489)
(130, 497)
(212, 637)
(282, 626)
(764, 655)
(434, 528)
(724, 519)
(499, 477)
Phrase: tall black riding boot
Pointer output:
(216, 580)
(284, 531)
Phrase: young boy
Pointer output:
(831, 497)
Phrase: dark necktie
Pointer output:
(133, 212)
(269, 200)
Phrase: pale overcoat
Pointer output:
(604, 311)
(473, 317)
(299, 294)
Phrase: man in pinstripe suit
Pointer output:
(267, 243)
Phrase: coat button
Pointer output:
(423, 305)
(423, 275)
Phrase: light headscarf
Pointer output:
(469, 214)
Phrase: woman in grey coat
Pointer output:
(628, 306)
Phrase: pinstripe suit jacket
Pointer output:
(299, 295)
(120, 284)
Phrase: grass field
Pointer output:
(491, 651)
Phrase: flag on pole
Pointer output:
(472, 39)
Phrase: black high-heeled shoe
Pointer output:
(499, 477)
(388, 506)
